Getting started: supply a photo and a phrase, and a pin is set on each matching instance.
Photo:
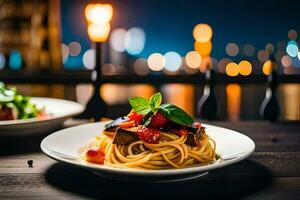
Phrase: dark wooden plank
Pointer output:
(75, 183)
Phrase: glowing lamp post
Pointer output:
(98, 18)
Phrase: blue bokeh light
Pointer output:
(173, 61)
(135, 40)
(292, 48)
(15, 60)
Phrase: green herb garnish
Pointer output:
(176, 114)
(152, 106)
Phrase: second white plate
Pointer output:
(59, 110)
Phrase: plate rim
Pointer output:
(80, 109)
(138, 172)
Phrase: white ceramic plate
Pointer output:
(59, 109)
(65, 145)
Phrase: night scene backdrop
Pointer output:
(172, 41)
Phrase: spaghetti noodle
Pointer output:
(171, 152)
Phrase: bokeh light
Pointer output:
(98, 13)
(65, 52)
(248, 50)
(262, 55)
(286, 61)
(2, 61)
(267, 67)
(187, 69)
(108, 69)
(232, 69)
(269, 47)
(292, 48)
(140, 67)
(202, 33)
(89, 59)
(245, 68)
(203, 49)
(98, 33)
(156, 61)
(172, 61)
(193, 59)
(74, 48)
(232, 49)
(117, 39)
(222, 65)
(135, 39)
(292, 34)
(15, 60)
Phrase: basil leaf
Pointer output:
(155, 101)
(140, 105)
(176, 114)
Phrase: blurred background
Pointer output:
(157, 45)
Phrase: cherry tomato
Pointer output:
(95, 155)
(135, 117)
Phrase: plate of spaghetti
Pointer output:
(155, 142)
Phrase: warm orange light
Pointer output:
(204, 49)
(184, 100)
(233, 92)
(156, 62)
(193, 59)
(245, 68)
(98, 17)
(232, 69)
(202, 33)
(267, 67)
(98, 33)
(98, 13)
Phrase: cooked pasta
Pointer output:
(171, 152)
(152, 136)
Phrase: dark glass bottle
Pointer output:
(96, 107)
(207, 106)
(270, 108)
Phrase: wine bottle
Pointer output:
(270, 108)
(207, 106)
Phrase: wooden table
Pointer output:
(272, 172)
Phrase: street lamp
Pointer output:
(98, 18)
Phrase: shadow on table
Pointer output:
(232, 182)
(11, 146)
(23, 144)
